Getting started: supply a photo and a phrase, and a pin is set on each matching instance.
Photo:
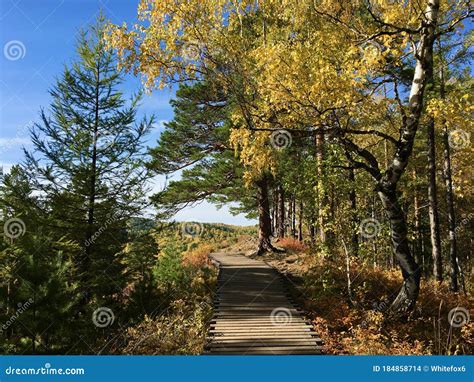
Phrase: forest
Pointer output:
(343, 128)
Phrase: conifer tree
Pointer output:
(37, 273)
(196, 143)
(88, 160)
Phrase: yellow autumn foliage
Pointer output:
(287, 63)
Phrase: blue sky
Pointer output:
(37, 39)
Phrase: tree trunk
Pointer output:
(275, 212)
(433, 204)
(264, 219)
(322, 197)
(348, 274)
(432, 186)
(312, 230)
(281, 212)
(453, 259)
(355, 223)
(86, 261)
(374, 242)
(289, 216)
(387, 182)
(406, 298)
(293, 216)
(300, 221)
(418, 237)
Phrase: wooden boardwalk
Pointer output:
(254, 313)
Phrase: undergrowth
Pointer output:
(359, 325)
(184, 287)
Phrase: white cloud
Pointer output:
(11, 143)
(14, 141)
(6, 167)
(160, 125)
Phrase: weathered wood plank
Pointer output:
(262, 337)
(263, 343)
(265, 352)
(276, 330)
(287, 349)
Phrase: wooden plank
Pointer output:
(263, 311)
(275, 329)
(257, 324)
(294, 321)
(269, 324)
(263, 352)
(243, 314)
(288, 349)
(251, 302)
(263, 338)
(267, 342)
(260, 344)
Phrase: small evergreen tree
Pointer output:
(37, 273)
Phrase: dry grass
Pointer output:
(292, 245)
(359, 326)
(198, 257)
(179, 325)
(181, 331)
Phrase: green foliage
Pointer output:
(196, 141)
(39, 278)
(169, 272)
(75, 193)
(138, 259)
(88, 162)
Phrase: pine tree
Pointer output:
(139, 257)
(37, 273)
(88, 161)
(196, 142)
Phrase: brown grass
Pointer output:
(291, 244)
(360, 327)
(198, 257)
